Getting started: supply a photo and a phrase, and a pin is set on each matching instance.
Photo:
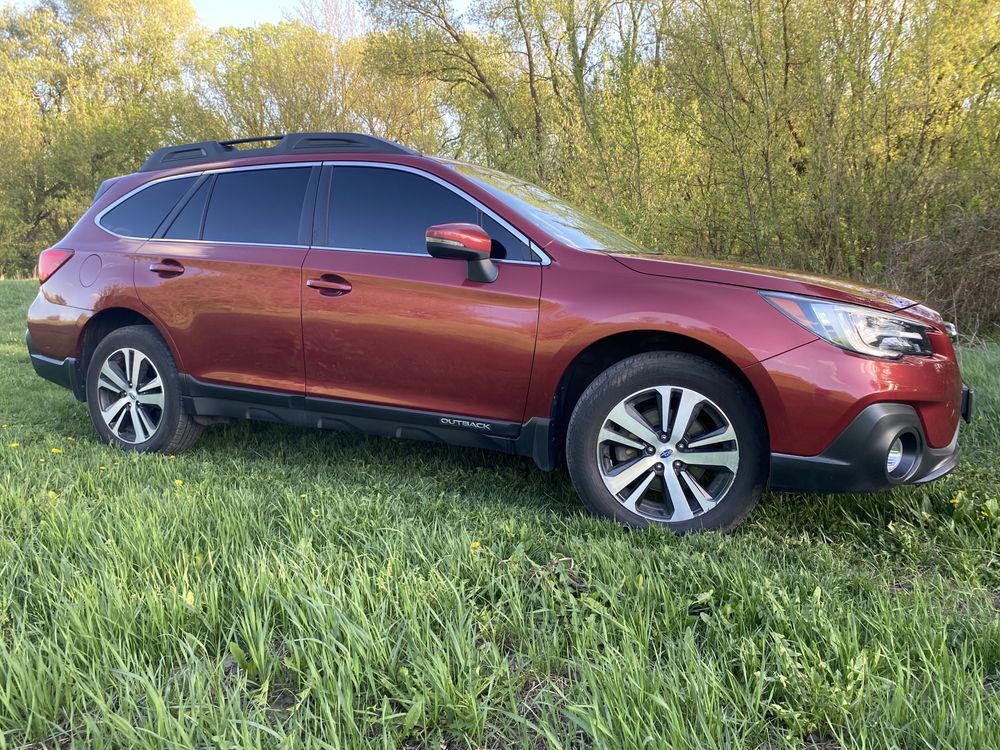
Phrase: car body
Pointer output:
(287, 286)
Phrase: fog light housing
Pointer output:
(895, 456)
(902, 455)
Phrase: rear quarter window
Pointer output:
(140, 215)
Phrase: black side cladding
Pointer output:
(293, 143)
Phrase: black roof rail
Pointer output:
(292, 143)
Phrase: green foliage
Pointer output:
(291, 588)
(87, 89)
(858, 139)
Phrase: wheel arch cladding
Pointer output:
(601, 354)
(111, 319)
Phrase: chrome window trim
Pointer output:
(423, 255)
(143, 186)
(174, 241)
(543, 258)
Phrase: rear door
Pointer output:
(400, 328)
(222, 275)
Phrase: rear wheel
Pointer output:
(134, 396)
(669, 439)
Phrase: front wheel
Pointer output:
(669, 439)
(134, 394)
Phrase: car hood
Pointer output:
(769, 279)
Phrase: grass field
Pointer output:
(284, 588)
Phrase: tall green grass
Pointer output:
(285, 588)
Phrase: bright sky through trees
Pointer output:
(217, 13)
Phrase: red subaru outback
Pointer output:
(344, 282)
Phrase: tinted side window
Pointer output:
(505, 244)
(140, 215)
(389, 210)
(259, 206)
(187, 224)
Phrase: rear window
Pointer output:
(140, 215)
(262, 206)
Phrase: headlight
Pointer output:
(855, 328)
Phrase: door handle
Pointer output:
(330, 285)
(167, 268)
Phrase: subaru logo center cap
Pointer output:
(667, 452)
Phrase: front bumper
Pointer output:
(64, 372)
(856, 460)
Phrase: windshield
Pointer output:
(560, 220)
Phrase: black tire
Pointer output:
(651, 370)
(175, 431)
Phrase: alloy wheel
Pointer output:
(130, 395)
(668, 453)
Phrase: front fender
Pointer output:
(584, 304)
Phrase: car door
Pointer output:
(385, 323)
(222, 275)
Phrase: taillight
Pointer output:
(50, 261)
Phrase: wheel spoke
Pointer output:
(664, 394)
(721, 435)
(633, 499)
(151, 399)
(685, 413)
(117, 382)
(622, 476)
(137, 424)
(147, 423)
(701, 495)
(116, 424)
(682, 511)
(138, 360)
(727, 459)
(153, 383)
(627, 418)
(127, 362)
(608, 435)
(111, 411)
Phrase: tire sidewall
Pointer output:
(146, 340)
(662, 369)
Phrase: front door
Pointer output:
(385, 323)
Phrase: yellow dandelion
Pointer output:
(57, 450)
(102, 468)
(15, 445)
(178, 482)
(476, 545)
